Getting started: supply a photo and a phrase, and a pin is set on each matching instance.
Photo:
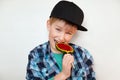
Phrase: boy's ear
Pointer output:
(48, 25)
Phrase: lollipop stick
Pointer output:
(72, 63)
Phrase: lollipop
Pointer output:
(65, 48)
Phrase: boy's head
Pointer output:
(69, 12)
(60, 31)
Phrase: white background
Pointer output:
(23, 26)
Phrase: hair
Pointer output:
(52, 20)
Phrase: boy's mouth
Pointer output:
(55, 41)
(58, 41)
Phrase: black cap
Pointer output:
(70, 12)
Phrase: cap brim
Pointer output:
(81, 28)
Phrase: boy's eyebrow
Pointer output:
(58, 26)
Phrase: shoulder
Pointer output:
(41, 46)
(81, 51)
(39, 50)
(79, 48)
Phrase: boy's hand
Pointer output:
(66, 67)
(68, 59)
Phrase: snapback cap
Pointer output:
(69, 11)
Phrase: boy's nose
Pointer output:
(62, 38)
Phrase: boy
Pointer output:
(47, 63)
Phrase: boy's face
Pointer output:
(60, 31)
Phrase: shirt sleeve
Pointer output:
(33, 71)
(88, 60)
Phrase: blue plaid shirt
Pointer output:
(43, 66)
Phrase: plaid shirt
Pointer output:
(42, 65)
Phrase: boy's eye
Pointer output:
(58, 29)
(69, 33)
